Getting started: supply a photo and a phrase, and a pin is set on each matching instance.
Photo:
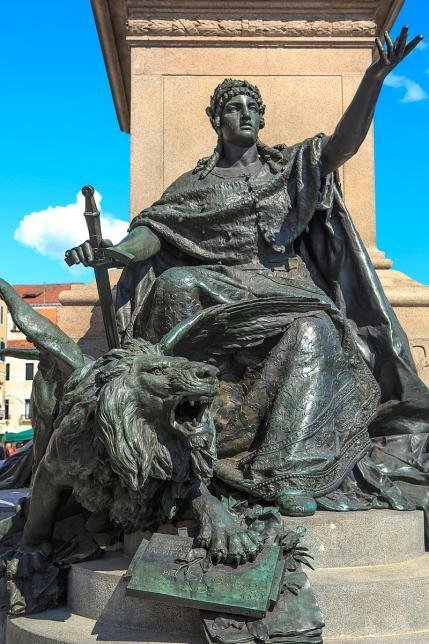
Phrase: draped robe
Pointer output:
(319, 377)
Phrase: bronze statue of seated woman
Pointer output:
(319, 403)
(260, 362)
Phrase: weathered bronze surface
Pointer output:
(261, 366)
(170, 570)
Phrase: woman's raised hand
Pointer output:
(394, 52)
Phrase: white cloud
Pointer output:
(413, 91)
(53, 230)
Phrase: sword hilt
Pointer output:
(92, 217)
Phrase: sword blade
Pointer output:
(107, 306)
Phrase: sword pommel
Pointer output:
(88, 191)
(92, 216)
(90, 205)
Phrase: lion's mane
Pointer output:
(112, 455)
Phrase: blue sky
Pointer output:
(59, 131)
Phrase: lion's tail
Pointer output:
(39, 330)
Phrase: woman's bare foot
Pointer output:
(295, 504)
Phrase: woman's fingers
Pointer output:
(88, 252)
(390, 47)
(80, 254)
(412, 44)
(74, 256)
(381, 51)
(401, 42)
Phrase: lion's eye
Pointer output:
(157, 372)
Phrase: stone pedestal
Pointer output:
(410, 301)
(371, 580)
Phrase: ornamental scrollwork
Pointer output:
(192, 27)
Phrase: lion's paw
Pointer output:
(225, 537)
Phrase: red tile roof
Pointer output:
(19, 344)
(42, 293)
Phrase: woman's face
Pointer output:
(240, 121)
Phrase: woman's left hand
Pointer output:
(394, 53)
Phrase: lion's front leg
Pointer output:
(32, 581)
(226, 538)
(45, 499)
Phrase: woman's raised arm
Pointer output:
(354, 125)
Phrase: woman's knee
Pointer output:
(176, 278)
(317, 327)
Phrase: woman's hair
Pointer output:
(223, 93)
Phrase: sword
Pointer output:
(92, 216)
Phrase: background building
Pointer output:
(3, 334)
(19, 374)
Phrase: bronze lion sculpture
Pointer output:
(131, 434)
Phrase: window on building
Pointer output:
(6, 409)
(29, 371)
(7, 370)
(27, 408)
(2, 346)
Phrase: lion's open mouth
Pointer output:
(190, 413)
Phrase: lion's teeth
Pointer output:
(192, 403)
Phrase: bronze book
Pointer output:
(168, 569)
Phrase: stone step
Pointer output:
(356, 601)
(366, 538)
(60, 626)
(96, 590)
(417, 637)
(339, 539)
(374, 600)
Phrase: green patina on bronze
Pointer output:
(169, 570)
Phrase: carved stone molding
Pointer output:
(289, 9)
(220, 28)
